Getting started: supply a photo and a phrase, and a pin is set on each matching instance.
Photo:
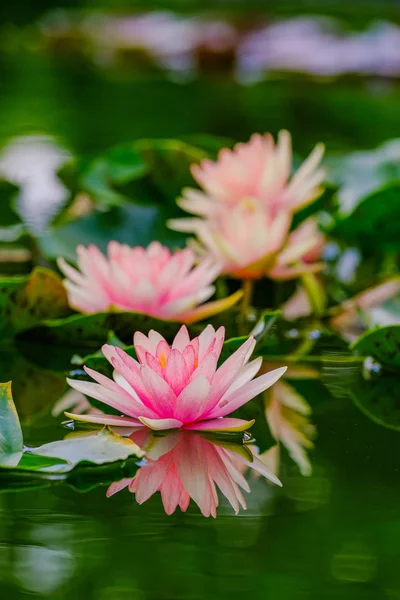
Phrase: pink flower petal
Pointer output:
(192, 400)
(161, 424)
(104, 419)
(162, 396)
(117, 487)
(181, 339)
(177, 372)
(245, 393)
(222, 424)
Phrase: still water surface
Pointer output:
(334, 534)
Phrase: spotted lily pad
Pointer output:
(382, 343)
(26, 301)
(379, 400)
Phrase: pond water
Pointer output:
(333, 532)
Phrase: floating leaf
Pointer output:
(379, 400)
(11, 442)
(99, 448)
(25, 301)
(382, 343)
(92, 330)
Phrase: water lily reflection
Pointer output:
(184, 465)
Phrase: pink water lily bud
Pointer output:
(178, 386)
(151, 281)
(183, 465)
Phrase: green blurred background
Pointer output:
(61, 74)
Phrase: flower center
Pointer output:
(249, 205)
(162, 360)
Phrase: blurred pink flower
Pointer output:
(243, 216)
(178, 386)
(183, 465)
(257, 170)
(249, 244)
(151, 281)
(287, 414)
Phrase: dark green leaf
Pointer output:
(92, 330)
(11, 442)
(379, 400)
(8, 214)
(142, 170)
(25, 301)
(382, 343)
(128, 223)
(374, 222)
(34, 388)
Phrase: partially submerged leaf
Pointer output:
(382, 343)
(26, 301)
(99, 448)
(379, 400)
(11, 442)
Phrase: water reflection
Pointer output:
(184, 465)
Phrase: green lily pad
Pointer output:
(379, 400)
(92, 330)
(98, 448)
(25, 301)
(11, 442)
(382, 343)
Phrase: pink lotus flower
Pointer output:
(151, 281)
(250, 244)
(244, 215)
(178, 386)
(183, 465)
(258, 170)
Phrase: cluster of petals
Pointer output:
(151, 281)
(183, 465)
(244, 214)
(178, 386)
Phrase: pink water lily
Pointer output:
(183, 465)
(178, 386)
(243, 217)
(260, 170)
(151, 281)
(250, 244)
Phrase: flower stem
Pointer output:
(247, 287)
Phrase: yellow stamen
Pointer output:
(162, 360)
